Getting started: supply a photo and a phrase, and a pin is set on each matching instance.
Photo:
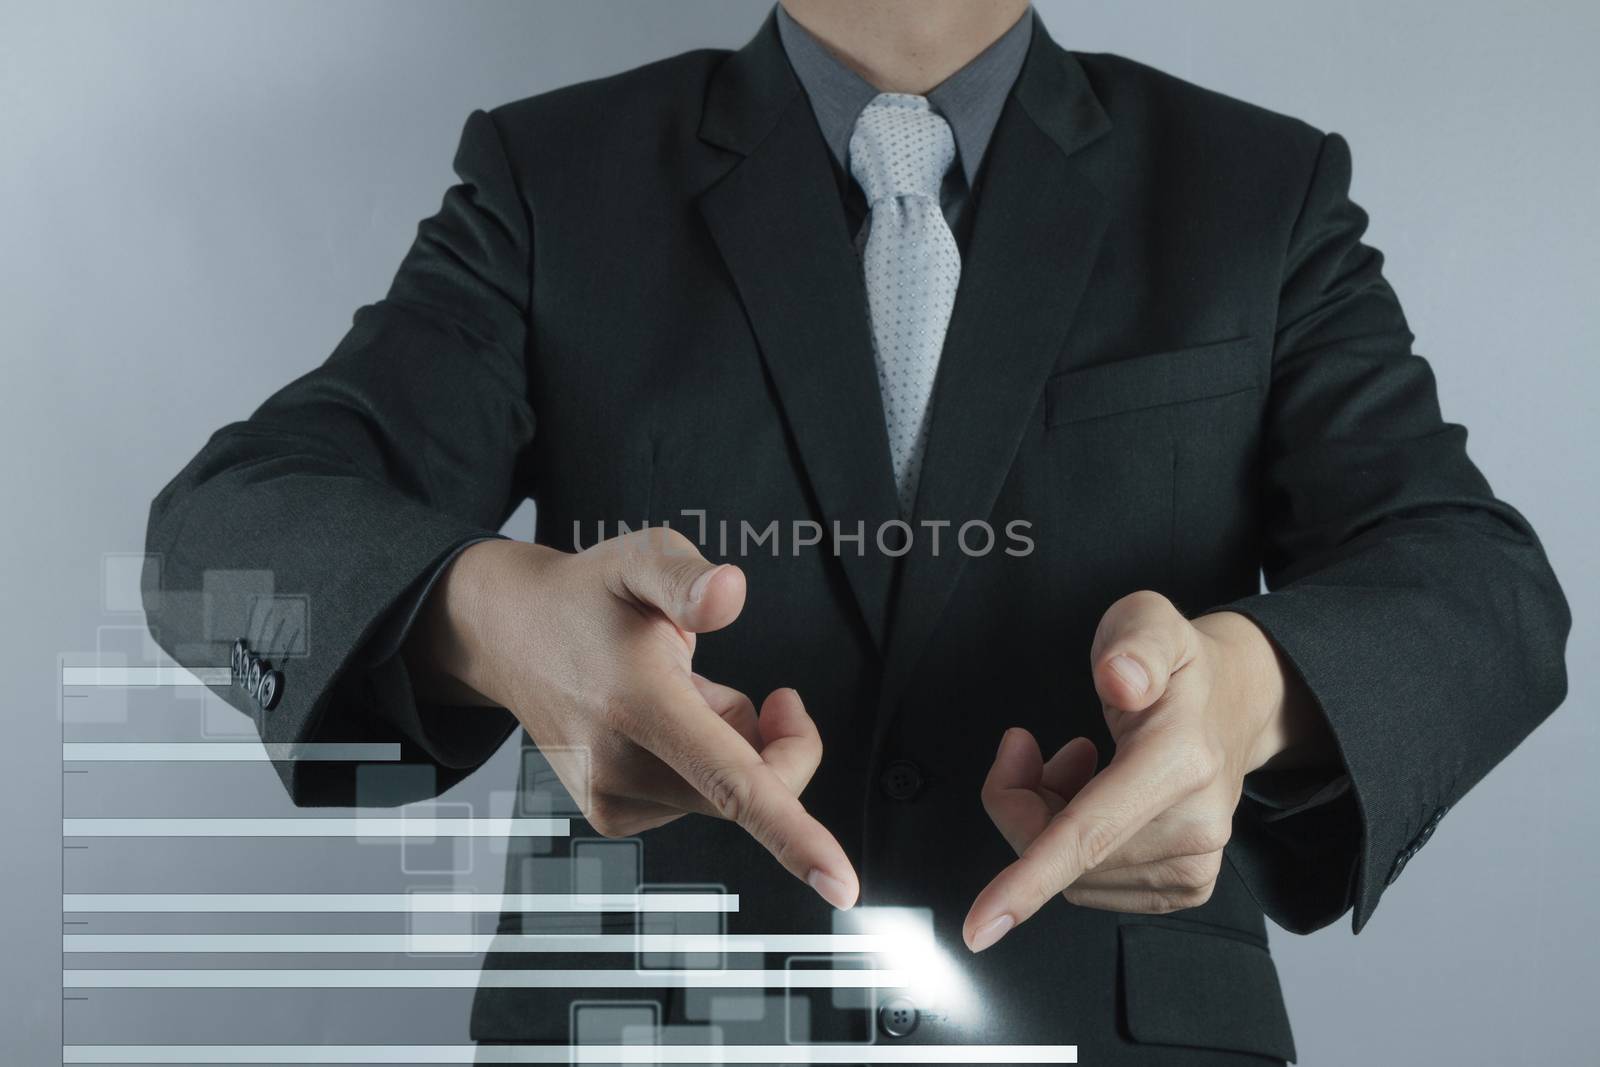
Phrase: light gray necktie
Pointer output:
(899, 154)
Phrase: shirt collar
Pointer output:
(970, 99)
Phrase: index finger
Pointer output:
(721, 766)
(1137, 785)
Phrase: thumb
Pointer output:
(663, 569)
(1141, 640)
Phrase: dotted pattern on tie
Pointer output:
(899, 154)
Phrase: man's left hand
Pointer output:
(1192, 708)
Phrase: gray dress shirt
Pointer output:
(970, 100)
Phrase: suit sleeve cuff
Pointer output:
(1306, 845)
(1285, 794)
(454, 737)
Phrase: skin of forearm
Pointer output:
(1267, 690)
(448, 652)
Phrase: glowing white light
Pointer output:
(908, 946)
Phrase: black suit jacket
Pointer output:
(1170, 354)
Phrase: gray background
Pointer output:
(196, 197)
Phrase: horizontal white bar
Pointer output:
(619, 1054)
(132, 676)
(423, 826)
(224, 752)
(399, 902)
(473, 978)
(508, 943)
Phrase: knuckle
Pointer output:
(1193, 872)
(602, 786)
(1167, 901)
(1205, 837)
(1151, 903)
(1196, 766)
(730, 791)
(1046, 878)
(660, 634)
(1215, 836)
(1094, 841)
(1141, 902)
(606, 818)
(741, 707)
(609, 779)
(1081, 898)
(617, 710)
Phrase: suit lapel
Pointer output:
(1037, 227)
(778, 220)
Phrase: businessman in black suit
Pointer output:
(990, 378)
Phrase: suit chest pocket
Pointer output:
(1147, 470)
(1161, 379)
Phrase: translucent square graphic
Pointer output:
(607, 865)
(681, 1034)
(668, 922)
(554, 875)
(423, 850)
(279, 626)
(797, 1021)
(614, 1022)
(121, 577)
(740, 1008)
(219, 720)
(421, 924)
(132, 644)
(502, 804)
(837, 1016)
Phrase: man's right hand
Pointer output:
(592, 652)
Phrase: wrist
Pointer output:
(463, 620)
(1283, 725)
(1250, 687)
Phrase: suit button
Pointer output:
(271, 690)
(901, 780)
(240, 651)
(897, 1017)
(1400, 862)
(252, 680)
(1428, 829)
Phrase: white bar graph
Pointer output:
(421, 826)
(443, 903)
(143, 676)
(224, 752)
(576, 1054)
(469, 943)
(473, 978)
